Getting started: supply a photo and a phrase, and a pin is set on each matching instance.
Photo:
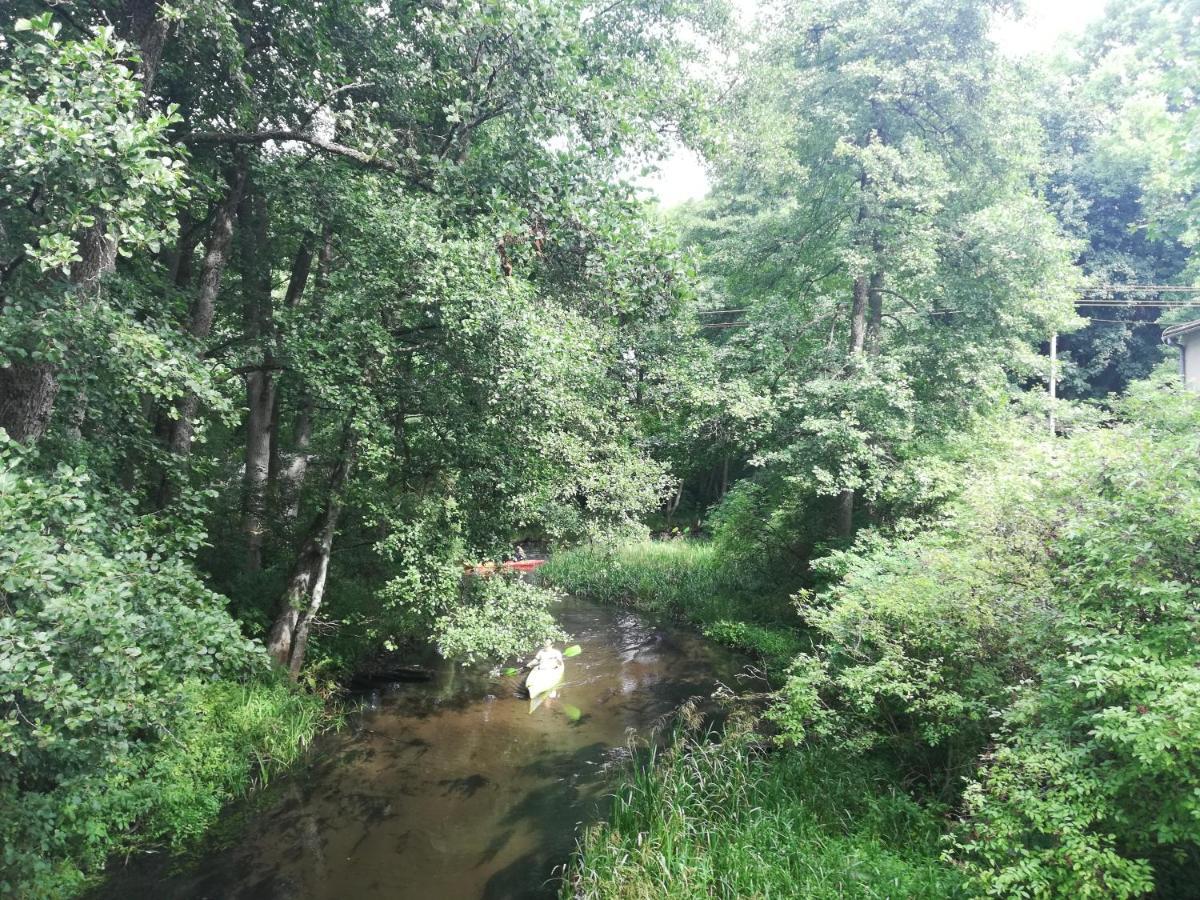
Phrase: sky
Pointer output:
(682, 175)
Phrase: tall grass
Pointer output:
(235, 737)
(731, 601)
(707, 819)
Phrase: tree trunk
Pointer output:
(301, 267)
(260, 383)
(673, 504)
(875, 312)
(843, 519)
(301, 599)
(212, 268)
(179, 266)
(858, 315)
(27, 395)
(293, 472)
(260, 397)
(141, 24)
(288, 638)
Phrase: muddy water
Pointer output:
(453, 789)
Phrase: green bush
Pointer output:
(776, 646)
(1042, 642)
(703, 819)
(112, 652)
(498, 617)
(688, 579)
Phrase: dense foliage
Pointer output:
(130, 695)
(307, 308)
(302, 308)
(878, 231)
(1041, 642)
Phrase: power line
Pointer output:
(1138, 288)
(1140, 304)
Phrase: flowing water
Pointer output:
(452, 788)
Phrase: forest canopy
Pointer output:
(306, 308)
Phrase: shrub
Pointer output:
(1044, 642)
(110, 653)
(498, 617)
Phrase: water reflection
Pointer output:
(451, 788)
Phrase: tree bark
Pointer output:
(260, 382)
(858, 315)
(874, 312)
(260, 398)
(673, 504)
(301, 267)
(212, 268)
(843, 519)
(287, 640)
(141, 24)
(294, 472)
(27, 395)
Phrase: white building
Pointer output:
(1187, 336)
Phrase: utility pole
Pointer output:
(1053, 378)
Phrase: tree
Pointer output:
(876, 228)
(89, 175)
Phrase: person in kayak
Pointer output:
(548, 660)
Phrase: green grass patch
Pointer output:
(235, 738)
(709, 819)
(167, 790)
(688, 580)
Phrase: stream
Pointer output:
(452, 788)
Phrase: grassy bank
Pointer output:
(686, 580)
(167, 791)
(724, 818)
(703, 819)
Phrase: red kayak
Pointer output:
(513, 565)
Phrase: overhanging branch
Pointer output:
(261, 137)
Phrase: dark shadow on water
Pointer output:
(465, 787)
(522, 879)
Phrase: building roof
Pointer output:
(1175, 332)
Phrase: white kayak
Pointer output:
(540, 682)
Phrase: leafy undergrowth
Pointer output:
(237, 737)
(726, 819)
(688, 580)
(131, 705)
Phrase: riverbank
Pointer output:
(738, 817)
(730, 819)
(227, 739)
(686, 580)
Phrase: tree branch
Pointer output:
(261, 137)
